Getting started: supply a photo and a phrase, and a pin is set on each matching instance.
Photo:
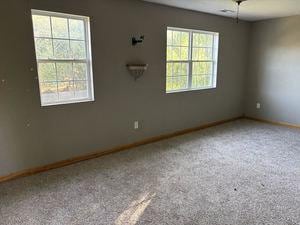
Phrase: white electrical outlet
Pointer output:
(258, 106)
(136, 125)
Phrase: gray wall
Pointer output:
(274, 70)
(31, 136)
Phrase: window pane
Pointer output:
(80, 71)
(185, 39)
(184, 53)
(202, 40)
(78, 49)
(175, 53)
(41, 26)
(77, 29)
(202, 68)
(177, 83)
(176, 69)
(66, 90)
(49, 92)
(184, 69)
(202, 54)
(180, 69)
(169, 37)
(43, 48)
(64, 71)
(81, 90)
(60, 27)
(169, 53)
(201, 81)
(169, 69)
(61, 49)
(176, 38)
(47, 72)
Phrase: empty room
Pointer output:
(150, 112)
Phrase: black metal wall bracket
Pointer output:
(136, 41)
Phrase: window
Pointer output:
(63, 53)
(191, 60)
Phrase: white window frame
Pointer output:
(87, 61)
(214, 61)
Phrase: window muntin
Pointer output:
(191, 59)
(63, 54)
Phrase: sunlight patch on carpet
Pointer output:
(136, 209)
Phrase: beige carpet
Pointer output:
(239, 173)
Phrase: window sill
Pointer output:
(67, 102)
(189, 90)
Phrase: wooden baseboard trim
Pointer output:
(290, 125)
(74, 160)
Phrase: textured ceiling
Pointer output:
(251, 10)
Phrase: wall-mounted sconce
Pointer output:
(136, 41)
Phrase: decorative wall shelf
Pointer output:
(137, 70)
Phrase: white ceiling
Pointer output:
(251, 10)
